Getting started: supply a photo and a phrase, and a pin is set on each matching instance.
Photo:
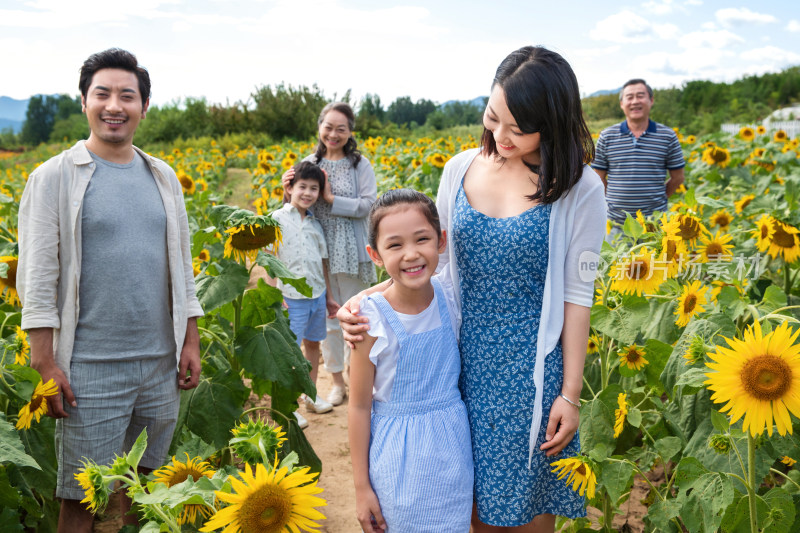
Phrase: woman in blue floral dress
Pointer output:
(525, 217)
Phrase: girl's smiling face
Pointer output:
(511, 142)
(407, 246)
(334, 131)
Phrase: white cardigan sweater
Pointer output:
(577, 228)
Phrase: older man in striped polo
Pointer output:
(634, 157)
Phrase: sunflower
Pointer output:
(38, 404)
(594, 344)
(690, 228)
(747, 133)
(759, 378)
(90, 478)
(636, 275)
(8, 284)
(633, 357)
(269, 502)
(690, 302)
(788, 461)
(696, 351)
(716, 155)
(201, 184)
(761, 130)
(620, 414)
(690, 139)
(178, 472)
(673, 253)
(581, 475)
(763, 232)
(785, 242)
(743, 202)
(780, 136)
(245, 241)
(255, 440)
(438, 160)
(186, 182)
(716, 248)
(23, 347)
(416, 163)
(203, 256)
(722, 219)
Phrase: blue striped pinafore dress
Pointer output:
(420, 457)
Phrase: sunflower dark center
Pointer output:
(267, 510)
(689, 228)
(719, 155)
(633, 355)
(783, 238)
(766, 377)
(723, 220)
(764, 231)
(36, 402)
(253, 238)
(638, 269)
(714, 249)
(689, 303)
(672, 249)
(186, 181)
(11, 274)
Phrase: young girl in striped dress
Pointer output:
(409, 433)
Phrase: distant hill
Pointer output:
(605, 91)
(15, 125)
(12, 113)
(479, 102)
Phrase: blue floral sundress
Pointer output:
(502, 264)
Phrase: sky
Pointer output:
(223, 50)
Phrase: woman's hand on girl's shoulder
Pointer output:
(351, 323)
(286, 178)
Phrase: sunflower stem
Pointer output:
(591, 391)
(608, 513)
(237, 320)
(787, 478)
(216, 338)
(751, 481)
(787, 282)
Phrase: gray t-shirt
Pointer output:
(124, 285)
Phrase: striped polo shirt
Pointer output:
(637, 168)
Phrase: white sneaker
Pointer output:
(301, 421)
(318, 406)
(337, 394)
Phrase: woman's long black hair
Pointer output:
(350, 147)
(542, 94)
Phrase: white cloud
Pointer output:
(708, 26)
(793, 26)
(732, 16)
(50, 14)
(693, 3)
(771, 55)
(662, 7)
(710, 39)
(628, 27)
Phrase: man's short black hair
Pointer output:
(114, 58)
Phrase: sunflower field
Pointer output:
(691, 386)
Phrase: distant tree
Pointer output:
(285, 111)
(371, 117)
(42, 113)
(455, 114)
(405, 112)
(72, 128)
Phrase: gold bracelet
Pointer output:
(570, 401)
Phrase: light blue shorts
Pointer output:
(116, 400)
(307, 318)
